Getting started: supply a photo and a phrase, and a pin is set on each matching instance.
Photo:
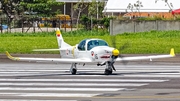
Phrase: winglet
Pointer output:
(11, 57)
(172, 52)
(8, 55)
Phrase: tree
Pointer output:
(80, 7)
(138, 6)
(86, 21)
(95, 9)
(169, 4)
(10, 8)
(14, 8)
(41, 7)
(131, 7)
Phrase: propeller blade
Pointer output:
(113, 40)
(123, 61)
(124, 46)
(121, 48)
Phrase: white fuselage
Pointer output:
(96, 54)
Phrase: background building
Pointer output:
(124, 6)
(67, 8)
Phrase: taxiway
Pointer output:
(137, 81)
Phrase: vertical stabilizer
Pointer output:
(60, 39)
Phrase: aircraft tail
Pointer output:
(60, 39)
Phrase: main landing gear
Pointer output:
(73, 69)
(108, 70)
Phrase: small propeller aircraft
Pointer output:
(88, 51)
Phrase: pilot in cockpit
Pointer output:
(90, 45)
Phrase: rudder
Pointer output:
(60, 39)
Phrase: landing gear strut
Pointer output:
(73, 69)
(108, 69)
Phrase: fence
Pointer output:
(36, 25)
(122, 26)
(26, 25)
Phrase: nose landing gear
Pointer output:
(108, 69)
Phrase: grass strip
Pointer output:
(153, 42)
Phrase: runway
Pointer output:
(141, 81)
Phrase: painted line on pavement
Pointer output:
(86, 80)
(154, 75)
(59, 89)
(73, 84)
(49, 95)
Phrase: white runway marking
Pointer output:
(122, 75)
(18, 72)
(154, 75)
(30, 84)
(33, 100)
(50, 95)
(73, 84)
(60, 89)
(149, 66)
(85, 80)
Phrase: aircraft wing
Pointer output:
(46, 49)
(172, 54)
(63, 60)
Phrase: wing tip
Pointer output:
(172, 52)
(11, 57)
(8, 55)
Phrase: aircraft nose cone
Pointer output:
(115, 52)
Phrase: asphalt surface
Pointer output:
(158, 80)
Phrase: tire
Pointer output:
(73, 71)
(108, 71)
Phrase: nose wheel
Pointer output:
(73, 69)
(108, 71)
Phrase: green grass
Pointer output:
(153, 42)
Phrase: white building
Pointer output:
(123, 6)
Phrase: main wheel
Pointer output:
(108, 71)
(73, 71)
(73, 68)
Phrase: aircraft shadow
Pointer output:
(90, 73)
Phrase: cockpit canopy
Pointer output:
(88, 44)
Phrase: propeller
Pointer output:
(113, 40)
(121, 48)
